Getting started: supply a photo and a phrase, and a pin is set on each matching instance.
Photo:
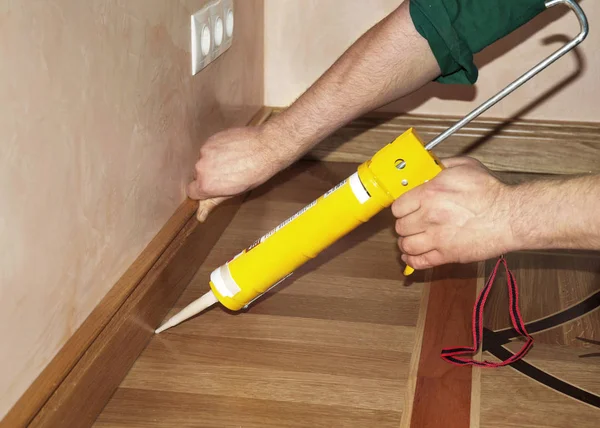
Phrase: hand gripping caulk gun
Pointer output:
(395, 169)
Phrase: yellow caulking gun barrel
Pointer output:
(398, 167)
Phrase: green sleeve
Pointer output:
(458, 29)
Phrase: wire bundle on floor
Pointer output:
(451, 354)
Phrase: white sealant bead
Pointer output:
(197, 306)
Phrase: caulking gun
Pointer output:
(395, 169)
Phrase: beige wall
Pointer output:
(101, 123)
(303, 38)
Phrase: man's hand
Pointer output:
(232, 162)
(389, 61)
(460, 216)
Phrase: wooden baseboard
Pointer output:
(527, 146)
(78, 382)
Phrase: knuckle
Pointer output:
(203, 177)
(477, 163)
(401, 245)
(437, 213)
(401, 227)
(396, 208)
(466, 161)
(430, 192)
(421, 263)
(199, 168)
(398, 227)
(199, 188)
(440, 214)
(406, 246)
(416, 263)
(206, 149)
(470, 161)
(432, 215)
(204, 185)
(208, 187)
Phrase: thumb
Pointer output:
(460, 161)
(206, 206)
(424, 261)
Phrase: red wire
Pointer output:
(451, 354)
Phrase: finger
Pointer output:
(194, 191)
(206, 206)
(424, 261)
(407, 203)
(411, 224)
(416, 244)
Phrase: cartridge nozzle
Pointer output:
(197, 306)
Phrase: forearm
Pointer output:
(560, 213)
(389, 61)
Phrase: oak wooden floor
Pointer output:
(334, 346)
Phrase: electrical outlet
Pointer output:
(212, 29)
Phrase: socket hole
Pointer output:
(400, 163)
(205, 40)
(218, 31)
(229, 23)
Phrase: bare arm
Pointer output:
(389, 61)
(466, 215)
(561, 213)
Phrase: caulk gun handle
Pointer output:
(409, 270)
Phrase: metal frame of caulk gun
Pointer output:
(210, 299)
(517, 83)
(525, 77)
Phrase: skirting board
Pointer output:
(527, 146)
(78, 382)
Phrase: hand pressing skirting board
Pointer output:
(77, 383)
(525, 146)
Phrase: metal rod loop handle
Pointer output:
(525, 77)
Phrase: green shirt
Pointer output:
(458, 29)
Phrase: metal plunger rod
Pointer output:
(525, 77)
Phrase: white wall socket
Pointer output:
(212, 32)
